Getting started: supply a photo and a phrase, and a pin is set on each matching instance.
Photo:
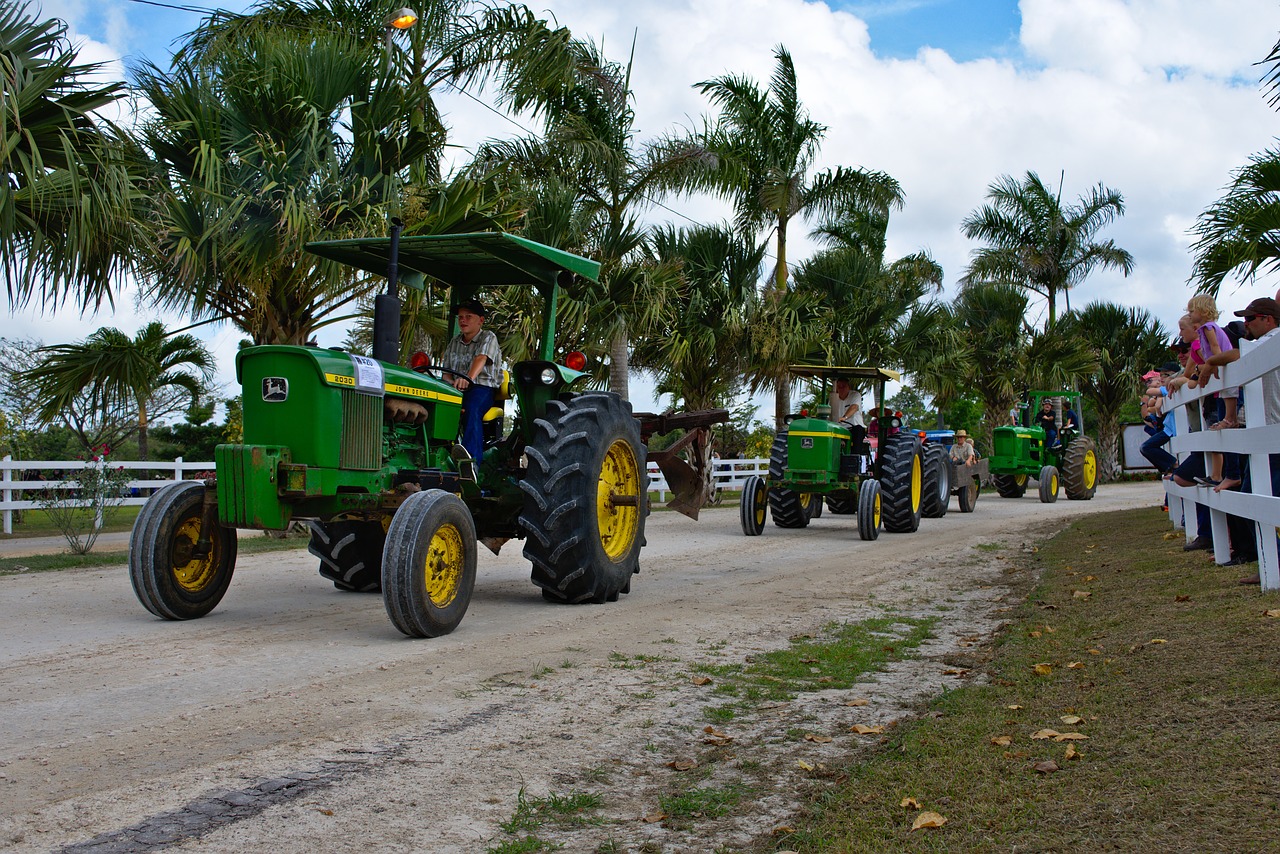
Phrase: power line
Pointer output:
(196, 9)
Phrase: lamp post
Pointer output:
(386, 307)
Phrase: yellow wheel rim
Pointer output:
(443, 566)
(1021, 480)
(875, 512)
(1090, 469)
(192, 574)
(758, 504)
(618, 500)
(916, 483)
(805, 498)
(1053, 484)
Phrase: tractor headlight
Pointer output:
(549, 376)
(895, 422)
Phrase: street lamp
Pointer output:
(386, 307)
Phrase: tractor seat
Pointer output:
(500, 395)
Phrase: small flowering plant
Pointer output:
(83, 503)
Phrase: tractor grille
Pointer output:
(361, 431)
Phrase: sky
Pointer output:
(1157, 99)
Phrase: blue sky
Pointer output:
(1079, 88)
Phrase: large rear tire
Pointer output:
(1080, 470)
(790, 508)
(586, 498)
(937, 482)
(168, 578)
(1010, 485)
(902, 483)
(869, 509)
(755, 505)
(350, 553)
(843, 503)
(429, 564)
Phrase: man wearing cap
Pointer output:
(962, 453)
(474, 357)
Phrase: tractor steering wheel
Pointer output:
(443, 370)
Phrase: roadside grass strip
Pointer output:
(1133, 703)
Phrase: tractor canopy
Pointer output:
(467, 262)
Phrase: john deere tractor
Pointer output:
(890, 479)
(364, 450)
(1059, 458)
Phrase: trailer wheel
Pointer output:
(902, 483)
(790, 508)
(350, 553)
(869, 509)
(429, 564)
(937, 482)
(967, 495)
(1010, 485)
(586, 498)
(1080, 470)
(1048, 485)
(755, 505)
(168, 578)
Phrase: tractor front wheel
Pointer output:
(790, 508)
(170, 577)
(586, 499)
(902, 483)
(1048, 485)
(937, 482)
(1080, 470)
(429, 564)
(1010, 485)
(755, 505)
(869, 509)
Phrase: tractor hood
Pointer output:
(470, 261)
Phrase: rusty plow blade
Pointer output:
(689, 489)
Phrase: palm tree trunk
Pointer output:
(1108, 449)
(142, 429)
(620, 364)
(782, 388)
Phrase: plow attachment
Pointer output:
(685, 464)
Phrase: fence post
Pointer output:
(6, 495)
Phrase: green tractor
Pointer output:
(363, 449)
(893, 478)
(1058, 456)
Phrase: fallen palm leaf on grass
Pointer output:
(928, 819)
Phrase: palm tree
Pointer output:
(67, 194)
(766, 146)
(1127, 342)
(1240, 233)
(1036, 243)
(299, 122)
(601, 179)
(114, 370)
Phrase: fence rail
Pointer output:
(19, 480)
(1257, 442)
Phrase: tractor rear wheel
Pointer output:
(350, 553)
(869, 508)
(1080, 470)
(586, 498)
(168, 577)
(755, 505)
(429, 564)
(902, 483)
(843, 503)
(1010, 485)
(937, 482)
(1048, 485)
(790, 508)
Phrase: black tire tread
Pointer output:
(1073, 470)
(897, 511)
(786, 505)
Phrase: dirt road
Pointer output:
(295, 718)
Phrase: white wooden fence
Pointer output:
(1256, 441)
(19, 486)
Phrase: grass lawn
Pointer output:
(1132, 703)
(36, 523)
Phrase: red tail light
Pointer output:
(419, 360)
(804, 413)
(575, 361)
